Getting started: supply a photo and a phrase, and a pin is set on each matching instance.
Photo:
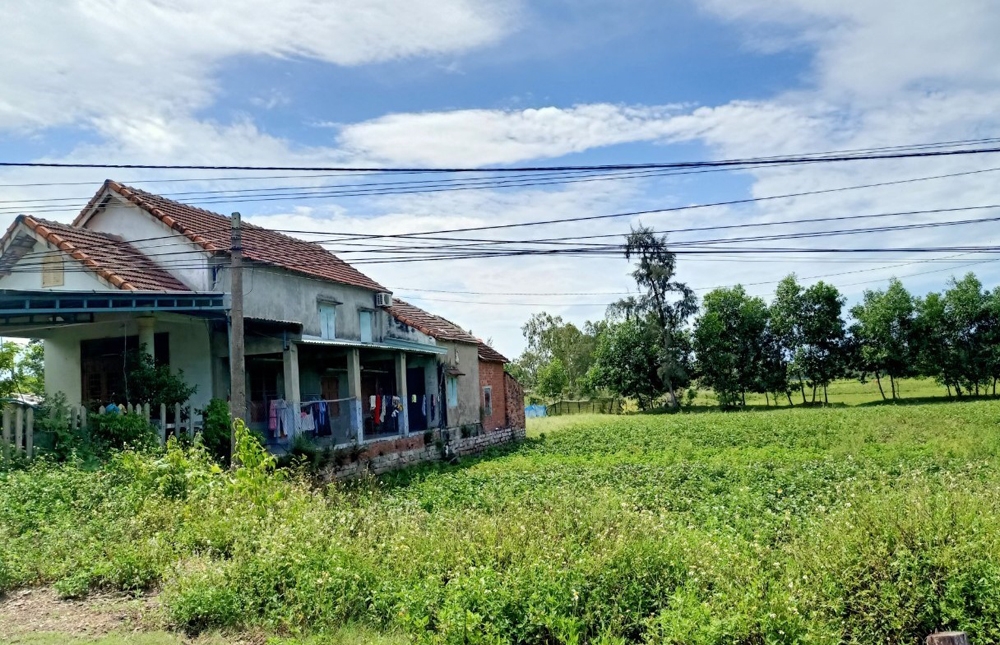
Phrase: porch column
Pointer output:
(290, 363)
(147, 326)
(354, 390)
(404, 424)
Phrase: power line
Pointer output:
(824, 157)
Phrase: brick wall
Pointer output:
(384, 456)
(491, 374)
(514, 402)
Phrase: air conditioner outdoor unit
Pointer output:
(383, 299)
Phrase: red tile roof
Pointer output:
(434, 326)
(117, 262)
(212, 232)
(487, 353)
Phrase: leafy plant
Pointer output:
(216, 431)
(119, 431)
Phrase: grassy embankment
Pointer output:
(861, 524)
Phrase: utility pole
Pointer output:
(237, 360)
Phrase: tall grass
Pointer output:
(811, 525)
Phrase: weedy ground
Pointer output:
(826, 525)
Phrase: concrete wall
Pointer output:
(491, 375)
(276, 294)
(464, 356)
(190, 351)
(167, 248)
(74, 277)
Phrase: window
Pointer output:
(52, 270)
(328, 321)
(365, 318)
(452, 387)
(488, 401)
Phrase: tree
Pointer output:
(666, 302)
(730, 344)
(551, 380)
(627, 360)
(550, 338)
(9, 383)
(147, 382)
(821, 356)
(956, 330)
(883, 332)
(786, 315)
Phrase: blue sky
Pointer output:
(476, 82)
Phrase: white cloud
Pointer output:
(67, 61)
(480, 137)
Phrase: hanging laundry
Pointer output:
(371, 402)
(377, 410)
(413, 398)
(306, 423)
(423, 405)
(272, 416)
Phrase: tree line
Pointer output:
(660, 343)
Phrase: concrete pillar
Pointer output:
(354, 389)
(290, 363)
(404, 423)
(147, 330)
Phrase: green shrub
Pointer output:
(113, 431)
(217, 429)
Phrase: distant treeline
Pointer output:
(792, 348)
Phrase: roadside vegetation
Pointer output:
(824, 525)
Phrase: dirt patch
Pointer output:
(41, 610)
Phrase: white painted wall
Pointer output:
(182, 258)
(190, 351)
(27, 274)
(275, 294)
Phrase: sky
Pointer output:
(487, 83)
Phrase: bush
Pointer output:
(112, 432)
(215, 434)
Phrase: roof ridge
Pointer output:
(272, 247)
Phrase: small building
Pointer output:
(329, 352)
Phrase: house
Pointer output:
(329, 352)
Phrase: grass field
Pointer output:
(857, 524)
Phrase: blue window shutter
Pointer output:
(365, 318)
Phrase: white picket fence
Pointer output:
(18, 430)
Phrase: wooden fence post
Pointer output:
(948, 638)
(163, 424)
(190, 408)
(18, 428)
(29, 436)
(6, 433)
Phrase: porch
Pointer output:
(342, 392)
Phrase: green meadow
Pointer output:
(823, 525)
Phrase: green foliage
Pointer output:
(113, 432)
(551, 380)
(666, 302)
(555, 348)
(9, 383)
(884, 334)
(216, 430)
(731, 344)
(53, 417)
(154, 384)
(627, 361)
(797, 525)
